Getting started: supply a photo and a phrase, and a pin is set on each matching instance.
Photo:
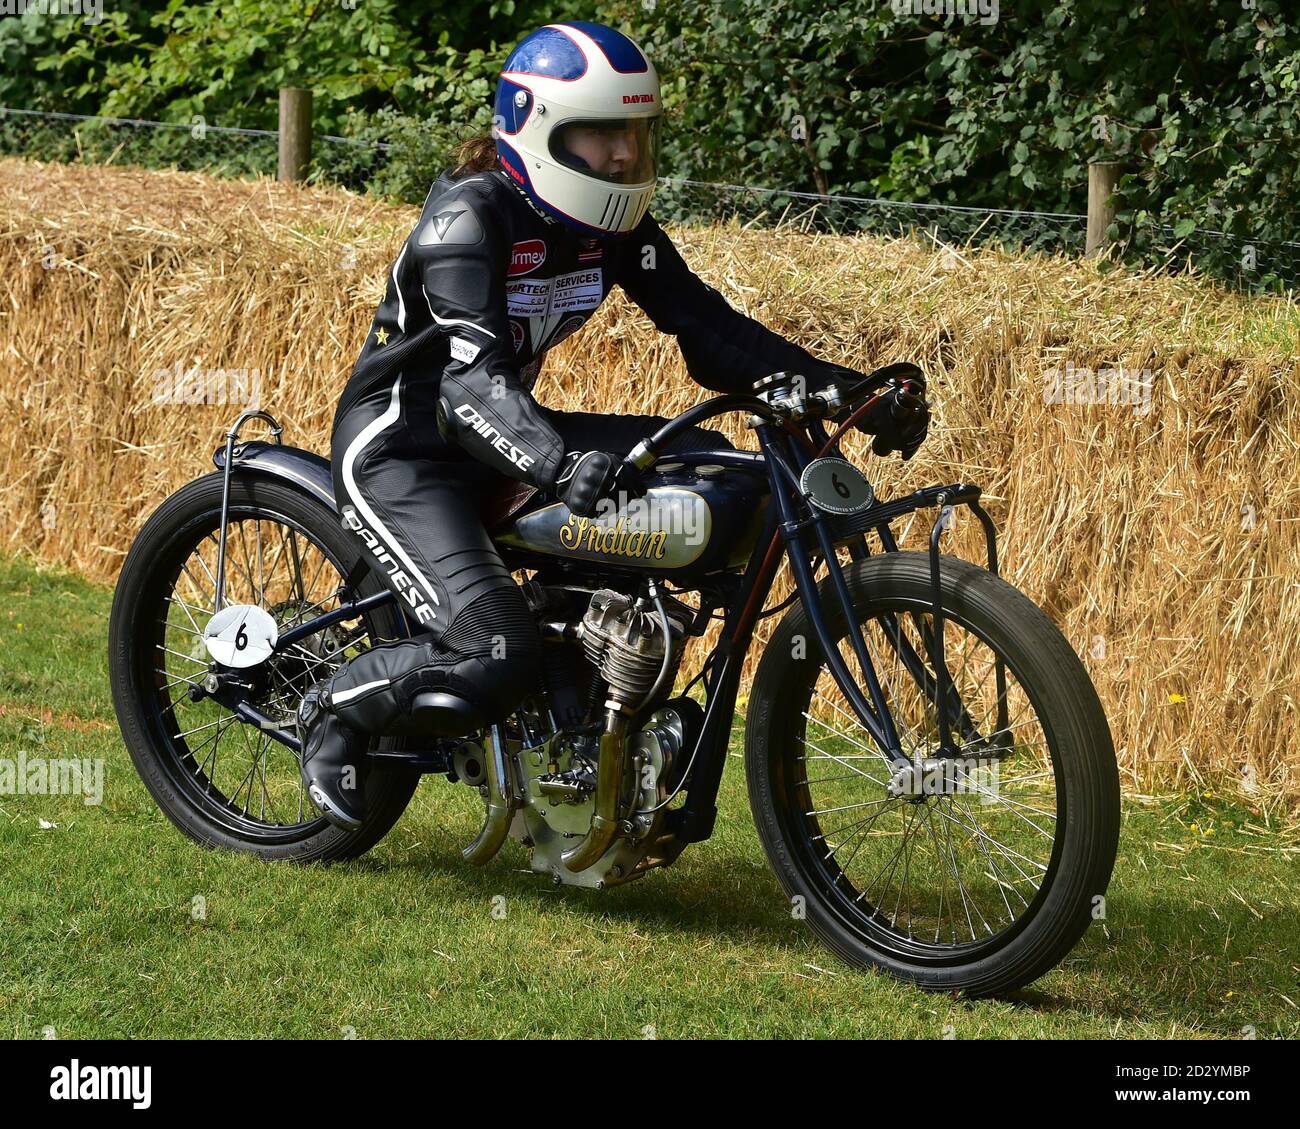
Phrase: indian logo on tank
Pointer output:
(526, 256)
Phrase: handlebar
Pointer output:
(832, 403)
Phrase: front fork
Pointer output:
(872, 709)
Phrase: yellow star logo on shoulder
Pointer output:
(381, 335)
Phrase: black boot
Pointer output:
(333, 761)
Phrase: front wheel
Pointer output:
(977, 870)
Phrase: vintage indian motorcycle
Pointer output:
(929, 767)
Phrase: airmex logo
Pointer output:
(102, 1083)
(527, 256)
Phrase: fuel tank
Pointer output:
(695, 518)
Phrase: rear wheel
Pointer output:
(222, 781)
(977, 871)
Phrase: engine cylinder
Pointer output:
(626, 644)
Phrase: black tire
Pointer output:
(981, 611)
(146, 708)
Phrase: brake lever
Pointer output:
(880, 380)
(629, 472)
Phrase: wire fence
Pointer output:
(355, 164)
(693, 200)
(1249, 264)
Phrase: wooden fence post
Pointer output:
(1102, 178)
(295, 134)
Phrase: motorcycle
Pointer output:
(929, 767)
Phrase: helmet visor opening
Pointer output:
(617, 150)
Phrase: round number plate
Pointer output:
(836, 485)
(240, 635)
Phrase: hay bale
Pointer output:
(1162, 536)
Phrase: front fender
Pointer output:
(305, 469)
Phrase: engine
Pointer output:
(620, 655)
(625, 642)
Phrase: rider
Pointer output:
(514, 250)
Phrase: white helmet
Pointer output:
(577, 108)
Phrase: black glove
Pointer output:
(593, 475)
(900, 419)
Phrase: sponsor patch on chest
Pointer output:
(529, 298)
(526, 256)
(580, 290)
(537, 297)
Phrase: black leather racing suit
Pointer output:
(439, 406)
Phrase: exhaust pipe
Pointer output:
(500, 803)
(609, 783)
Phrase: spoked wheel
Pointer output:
(221, 780)
(978, 870)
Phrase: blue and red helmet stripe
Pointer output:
(550, 53)
(515, 166)
(623, 55)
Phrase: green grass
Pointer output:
(98, 937)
